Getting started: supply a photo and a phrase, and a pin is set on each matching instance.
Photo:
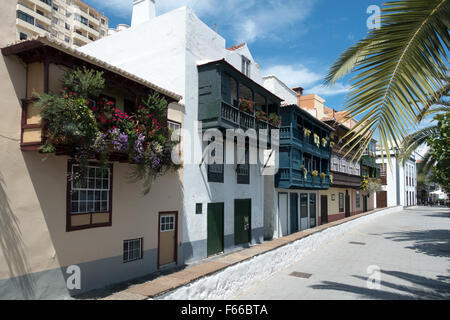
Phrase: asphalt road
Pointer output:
(404, 255)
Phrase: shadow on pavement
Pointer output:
(434, 243)
(422, 288)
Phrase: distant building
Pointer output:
(399, 180)
(70, 21)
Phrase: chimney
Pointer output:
(143, 11)
(299, 91)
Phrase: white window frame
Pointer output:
(136, 251)
(167, 223)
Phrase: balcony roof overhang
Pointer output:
(43, 48)
(235, 73)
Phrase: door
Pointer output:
(347, 204)
(304, 211)
(382, 199)
(242, 221)
(283, 214)
(167, 246)
(294, 213)
(365, 203)
(215, 228)
(323, 209)
(312, 210)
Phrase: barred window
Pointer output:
(132, 250)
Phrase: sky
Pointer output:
(297, 40)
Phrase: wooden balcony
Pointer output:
(289, 178)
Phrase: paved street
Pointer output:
(411, 249)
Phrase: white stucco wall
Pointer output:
(279, 88)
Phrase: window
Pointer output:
(103, 21)
(55, 7)
(132, 250)
(167, 223)
(25, 17)
(54, 20)
(49, 2)
(23, 36)
(199, 208)
(215, 171)
(67, 26)
(67, 39)
(343, 166)
(341, 202)
(243, 170)
(358, 199)
(89, 197)
(335, 164)
(174, 126)
(246, 66)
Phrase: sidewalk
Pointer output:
(167, 283)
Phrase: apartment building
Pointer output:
(70, 21)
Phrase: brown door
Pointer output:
(347, 204)
(323, 209)
(382, 199)
(167, 246)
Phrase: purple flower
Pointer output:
(155, 163)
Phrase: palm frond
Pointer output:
(397, 68)
(413, 141)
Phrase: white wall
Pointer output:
(279, 88)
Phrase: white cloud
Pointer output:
(294, 75)
(311, 81)
(338, 88)
(247, 20)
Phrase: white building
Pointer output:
(171, 50)
(70, 21)
(399, 181)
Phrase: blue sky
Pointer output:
(298, 40)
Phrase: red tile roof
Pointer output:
(236, 46)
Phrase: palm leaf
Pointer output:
(396, 69)
(413, 141)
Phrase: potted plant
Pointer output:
(246, 106)
(331, 178)
(332, 144)
(261, 115)
(307, 132)
(323, 175)
(324, 142)
(315, 173)
(274, 119)
(305, 172)
(316, 140)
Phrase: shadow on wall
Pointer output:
(12, 245)
(420, 288)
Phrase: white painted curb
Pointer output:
(232, 280)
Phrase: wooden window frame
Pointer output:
(69, 227)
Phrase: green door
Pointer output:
(242, 221)
(215, 228)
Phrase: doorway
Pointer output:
(365, 203)
(242, 221)
(347, 204)
(167, 238)
(304, 211)
(215, 237)
(323, 209)
(283, 214)
(294, 213)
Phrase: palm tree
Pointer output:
(396, 70)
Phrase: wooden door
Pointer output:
(167, 244)
(347, 204)
(242, 221)
(382, 199)
(294, 213)
(324, 209)
(215, 240)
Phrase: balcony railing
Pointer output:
(290, 135)
(289, 177)
(242, 119)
